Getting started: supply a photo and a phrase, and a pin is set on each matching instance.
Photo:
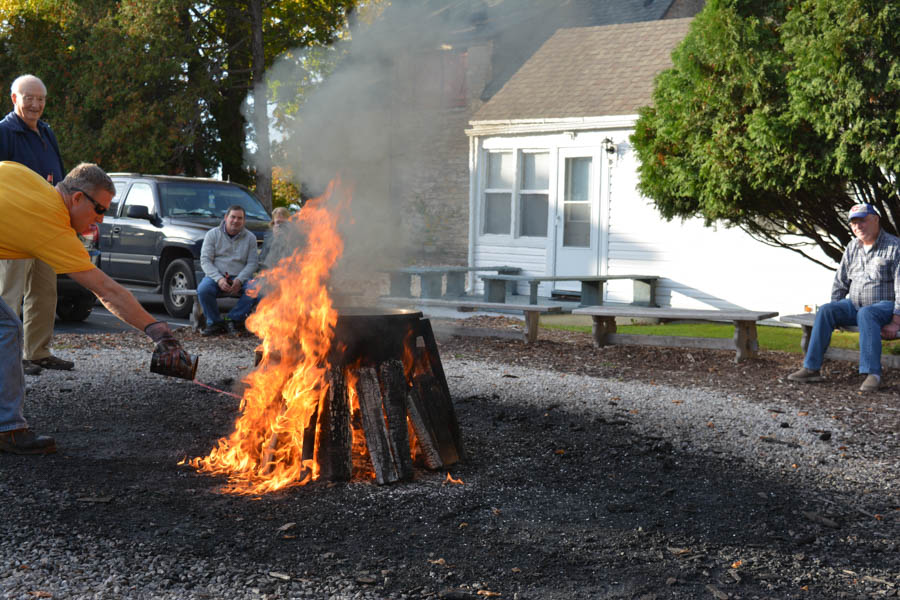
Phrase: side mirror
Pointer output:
(138, 212)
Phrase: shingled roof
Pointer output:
(588, 72)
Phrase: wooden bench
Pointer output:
(744, 340)
(432, 278)
(496, 287)
(532, 312)
(806, 322)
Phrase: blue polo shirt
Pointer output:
(37, 151)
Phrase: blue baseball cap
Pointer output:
(861, 210)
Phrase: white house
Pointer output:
(553, 183)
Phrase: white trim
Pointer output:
(474, 149)
(517, 126)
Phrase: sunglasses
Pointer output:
(98, 208)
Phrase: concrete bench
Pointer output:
(806, 322)
(496, 287)
(532, 312)
(744, 341)
(432, 279)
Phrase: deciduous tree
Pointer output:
(161, 85)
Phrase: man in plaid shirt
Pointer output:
(865, 294)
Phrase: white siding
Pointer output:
(532, 261)
(701, 267)
(704, 267)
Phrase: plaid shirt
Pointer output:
(867, 277)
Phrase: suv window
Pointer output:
(140, 194)
(207, 200)
(121, 186)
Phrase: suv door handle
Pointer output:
(116, 229)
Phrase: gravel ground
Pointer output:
(604, 482)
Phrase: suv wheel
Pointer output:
(75, 307)
(179, 276)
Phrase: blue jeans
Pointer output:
(209, 290)
(870, 319)
(12, 379)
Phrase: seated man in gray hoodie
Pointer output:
(228, 259)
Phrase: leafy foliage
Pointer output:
(154, 85)
(776, 117)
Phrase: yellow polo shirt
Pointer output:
(35, 223)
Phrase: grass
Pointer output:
(784, 339)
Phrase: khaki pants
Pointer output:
(33, 282)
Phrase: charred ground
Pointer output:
(554, 503)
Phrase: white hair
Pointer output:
(18, 81)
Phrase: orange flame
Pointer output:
(272, 446)
(362, 463)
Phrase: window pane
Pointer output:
(533, 217)
(535, 171)
(140, 194)
(497, 213)
(121, 186)
(209, 200)
(578, 178)
(500, 170)
(577, 226)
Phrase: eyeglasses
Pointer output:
(98, 208)
(39, 99)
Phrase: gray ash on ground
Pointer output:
(623, 472)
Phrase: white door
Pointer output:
(577, 216)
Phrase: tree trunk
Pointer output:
(260, 107)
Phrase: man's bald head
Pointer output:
(29, 96)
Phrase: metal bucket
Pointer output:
(185, 369)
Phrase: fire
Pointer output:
(272, 446)
(362, 465)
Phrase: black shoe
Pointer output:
(53, 362)
(235, 327)
(217, 328)
(25, 441)
(30, 368)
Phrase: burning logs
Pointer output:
(388, 405)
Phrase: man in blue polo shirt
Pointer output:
(27, 140)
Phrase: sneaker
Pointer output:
(25, 441)
(805, 375)
(217, 328)
(53, 362)
(30, 368)
(870, 383)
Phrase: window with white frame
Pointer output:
(534, 194)
(516, 193)
(498, 192)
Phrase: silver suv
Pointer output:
(151, 236)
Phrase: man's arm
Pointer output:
(52, 137)
(208, 255)
(252, 258)
(114, 297)
(841, 286)
(889, 331)
(5, 142)
(120, 302)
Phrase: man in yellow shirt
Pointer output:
(40, 221)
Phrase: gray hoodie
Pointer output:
(237, 256)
